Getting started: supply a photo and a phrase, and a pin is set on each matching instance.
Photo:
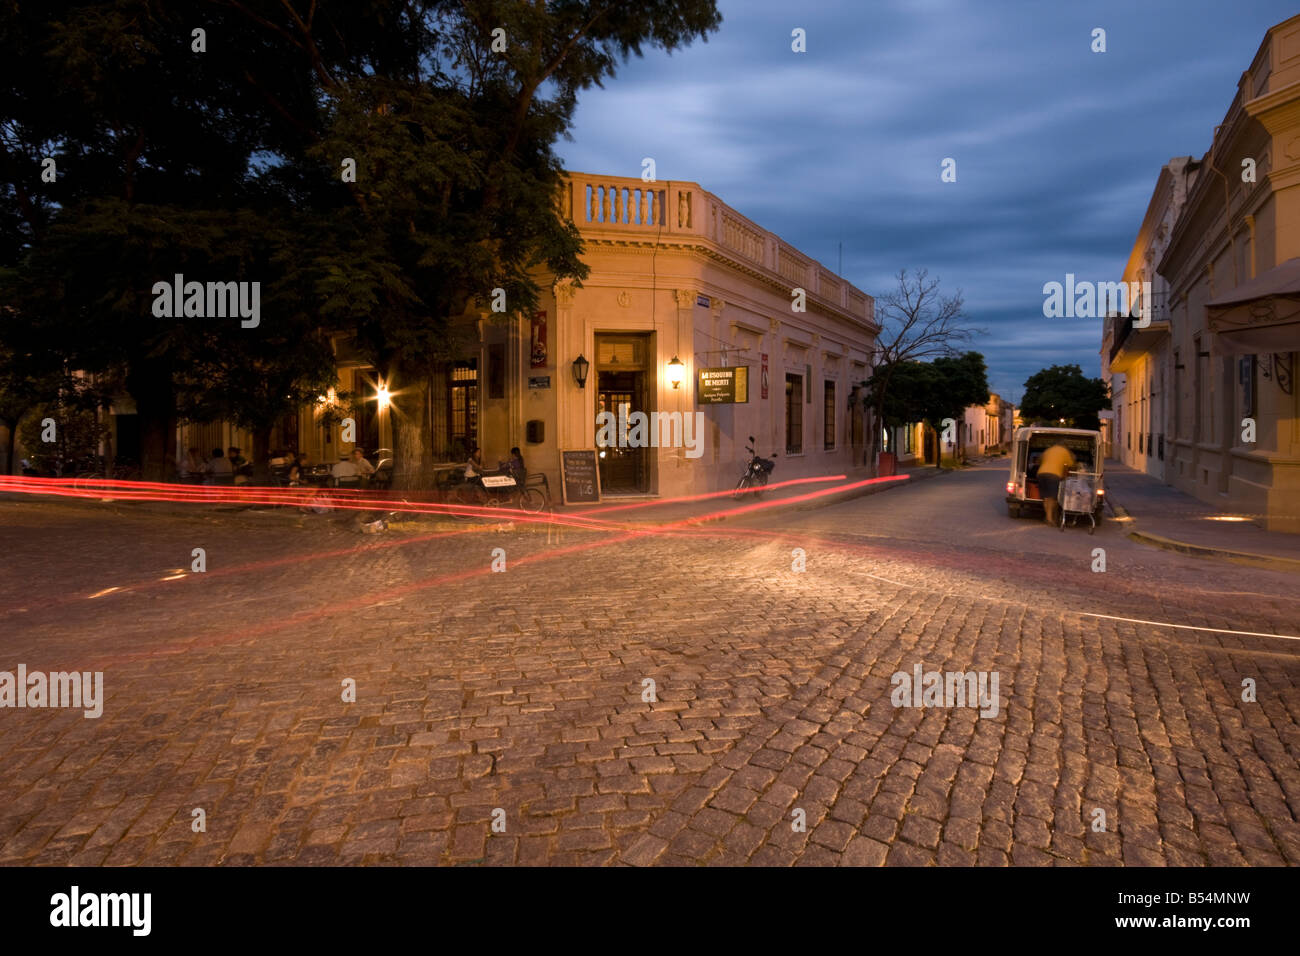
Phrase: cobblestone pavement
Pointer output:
(522, 692)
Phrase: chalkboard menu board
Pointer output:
(581, 478)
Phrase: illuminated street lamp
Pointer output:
(676, 372)
(385, 399)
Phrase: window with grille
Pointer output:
(463, 403)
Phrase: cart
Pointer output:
(1077, 496)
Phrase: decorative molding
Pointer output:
(760, 273)
(564, 292)
(685, 298)
(624, 299)
(716, 305)
(753, 326)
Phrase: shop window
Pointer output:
(828, 401)
(793, 414)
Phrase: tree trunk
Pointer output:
(262, 454)
(412, 451)
(877, 418)
(12, 425)
(155, 400)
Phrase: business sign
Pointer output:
(539, 381)
(579, 476)
(723, 386)
(702, 300)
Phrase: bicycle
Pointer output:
(497, 491)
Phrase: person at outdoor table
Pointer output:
(190, 466)
(364, 468)
(218, 466)
(515, 465)
(474, 467)
(353, 468)
(297, 469)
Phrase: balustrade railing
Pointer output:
(684, 209)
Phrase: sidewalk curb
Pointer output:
(1205, 551)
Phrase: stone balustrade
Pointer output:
(627, 205)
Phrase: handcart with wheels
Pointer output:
(1077, 496)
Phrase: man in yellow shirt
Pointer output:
(1052, 468)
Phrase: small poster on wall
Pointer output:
(539, 340)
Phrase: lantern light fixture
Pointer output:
(676, 372)
(580, 368)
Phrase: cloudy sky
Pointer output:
(1057, 147)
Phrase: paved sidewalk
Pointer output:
(1166, 517)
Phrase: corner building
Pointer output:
(678, 274)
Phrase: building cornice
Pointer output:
(709, 250)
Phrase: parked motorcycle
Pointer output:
(756, 473)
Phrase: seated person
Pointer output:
(190, 467)
(218, 467)
(298, 470)
(514, 466)
(240, 466)
(474, 467)
(363, 467)
(353, 469)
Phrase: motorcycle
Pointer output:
(756, 472)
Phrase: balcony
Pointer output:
(626, 208)
(1132, 342)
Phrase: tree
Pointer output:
(161, 160)
(961, 381)
(917, 323)
(1062, 392)
(171, 160)
(930, 392)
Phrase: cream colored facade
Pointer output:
(1137, 359)
(1233, 271)
(675, 272)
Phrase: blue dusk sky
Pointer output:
(1057, 147)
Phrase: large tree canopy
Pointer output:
(228, 164)
(1064, 392)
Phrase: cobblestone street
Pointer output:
(523, 691)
